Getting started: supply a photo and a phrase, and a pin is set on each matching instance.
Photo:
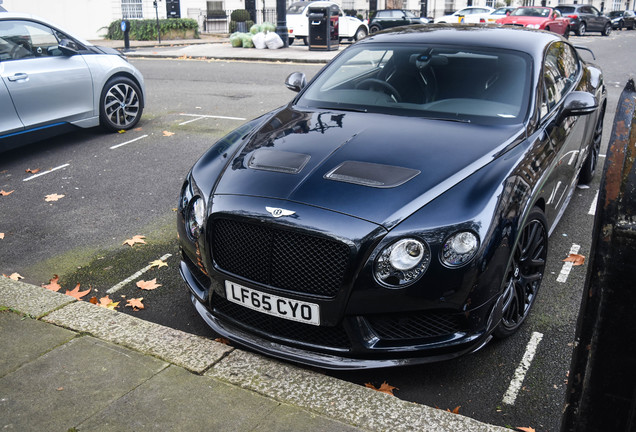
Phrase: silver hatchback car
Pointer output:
(51, 82)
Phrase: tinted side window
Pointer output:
(25, 39)
(560, 69)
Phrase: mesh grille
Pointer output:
(283, 259)
(415, 326)
(268, 326)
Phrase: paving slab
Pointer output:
(30, 299)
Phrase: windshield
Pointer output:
(615, 14)
(565, 9)
(461, 83)
(297, 8)
(531, 12)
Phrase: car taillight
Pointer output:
(572, 16)
(482, 20)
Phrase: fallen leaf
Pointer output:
(222, 340)
(5, 193)
(138, 129)
(77, 293)
(167, 133)
(93, 300)
(121, 131)
(135, 239)
(107, 303)
(60, 389)
(53, 285)
(456, 410)
(135, 303)
(53, 197)
(384, 388)
(14, 276)
(32, 171)
(575, 259)
(158, 263)
(1, 236)
(526, 429)
(148, 285)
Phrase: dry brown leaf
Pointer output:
(1, 236)
(526, 429)
(148, 285)
(107, 303)
(93, 300)
(224, 341)
(14, 276)
(135, 239)
(53, 284)
(32, 171)
(384, 388)
(575, 259)
(158, 263)
(167, 133)
(135, 303)
(75, 292)
(53, 197)
(456, 410)
(5, 193)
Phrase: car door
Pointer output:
(45, 85)
(561, 70)
(9, 120)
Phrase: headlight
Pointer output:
(195, 215)
(533, 26)
(402, 262)
(460, 248)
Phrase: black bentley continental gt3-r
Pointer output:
(398, 209)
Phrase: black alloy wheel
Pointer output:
(120, 104)
(581, 30)
(607, 30)
(591, 161)
(525, 273)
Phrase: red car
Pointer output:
(541, 18)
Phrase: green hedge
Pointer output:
(147, 29)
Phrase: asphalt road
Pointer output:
(116, 186)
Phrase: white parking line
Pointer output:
(567, 266)
(128, 142)
(190, 121)
(593, 206)
(520, 374)
(131, 278)
(46, 172)
(213, 116)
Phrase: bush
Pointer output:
(147, 29)
(240, 15)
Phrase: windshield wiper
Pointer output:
(362, 110)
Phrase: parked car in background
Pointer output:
(298, 21)
(539, 18)
(498, 13)
(469, 14)
(585, 18)
(398, 210)
(388, 18)
(622, 19)
(52, 82)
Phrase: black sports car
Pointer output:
(397, 211)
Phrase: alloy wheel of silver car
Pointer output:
(120, 104)
(524, 274)
(360, 34)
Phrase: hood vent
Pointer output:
(278, 161)
(370, 174)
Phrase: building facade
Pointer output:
(90, 18)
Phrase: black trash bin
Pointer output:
(323, 28)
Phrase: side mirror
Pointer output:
(296, 81)
(579, 103)
(68, 47)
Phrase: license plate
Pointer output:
(281, 307)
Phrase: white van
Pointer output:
(298, 21)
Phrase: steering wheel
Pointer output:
(372, 83)
(16, 48)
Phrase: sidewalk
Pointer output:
(68, 364)
(217, 47)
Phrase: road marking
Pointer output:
(128, 142)
(213, 116)
(46, 172)
(190, 121)
(593, 206)
(567, 266)
(520, 374)
(131, 278)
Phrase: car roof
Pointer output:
(23, 16)
(511, 38)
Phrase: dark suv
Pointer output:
(585, 18)
(385, 19)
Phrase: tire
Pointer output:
(607, 30)
(566, 34)
(591, 161)
(374, 29)
(120, 104)
(524, 274)
(581, 30)
(361, 33)
(304, 39)
(290, 40)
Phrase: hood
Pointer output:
(520, 19)
(374, 167)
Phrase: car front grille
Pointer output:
(269, 326)
(416, 325)
(279, 258)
